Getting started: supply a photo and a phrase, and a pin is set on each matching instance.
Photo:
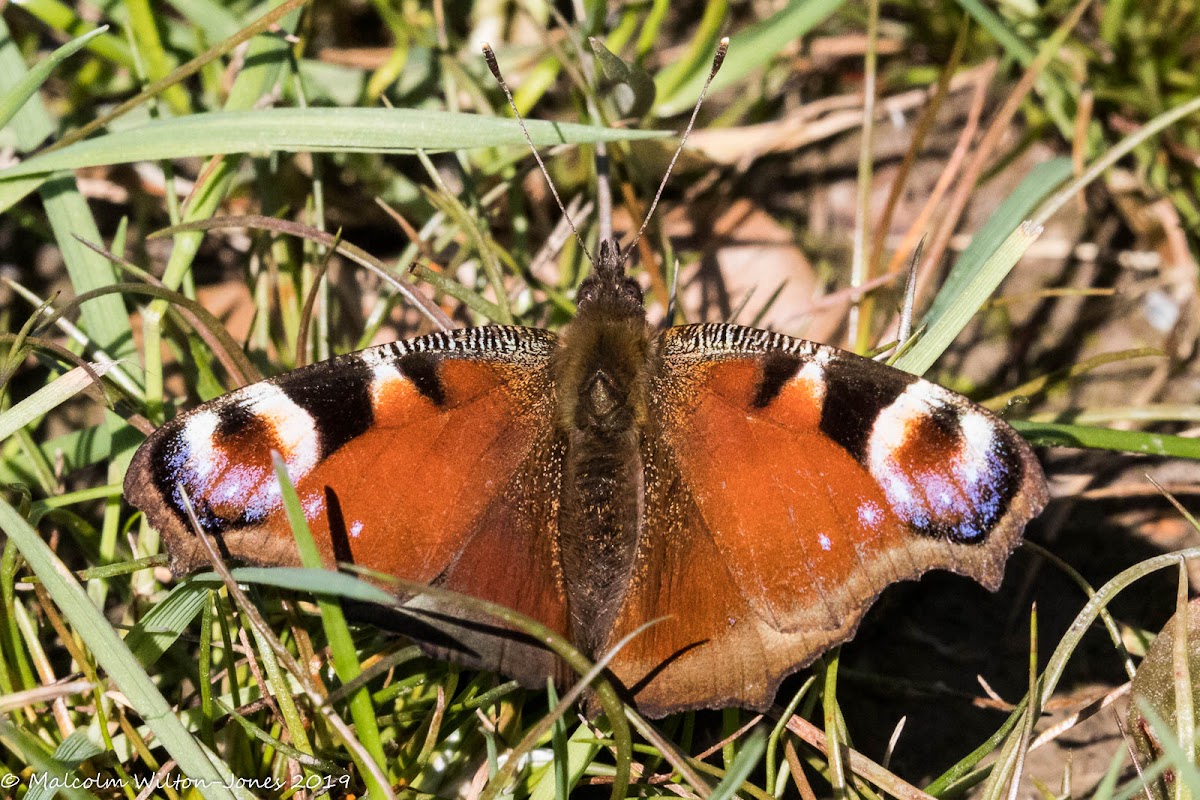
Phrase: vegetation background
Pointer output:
(836, 136)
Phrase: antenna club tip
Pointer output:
(719, 58)
(489, 56)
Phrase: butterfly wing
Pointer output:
(433, 460)
(787, 484)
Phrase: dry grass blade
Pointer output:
(203, 322)
(669, 751)
(921, 129)
(1046, 382)
(860, 265)
(859, 764)
(44, 694)
(1062, 726)
(310, 302)
(987, 146)
(733, 737)
(355, 254)
(962, 148)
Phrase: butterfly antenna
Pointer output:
(490, 57)
(722, 47)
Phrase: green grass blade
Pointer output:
(72, 752)
(48, 397)
(325, 130)
(142, 28)
(76, 749)
(992, 254)
(62, 17)
(281, 685)
(1182, 658)
(165, 622)
(14, 191)
(314, 581)
(266, 59)
(447, 285)
(1180, 761)
(958, 299)
(47, 767)
(1057, 663)
(213, 18)
(750, 49)
(746, 761)
(105, 321)
(1108, 784)
(581, 749)
(1050, 434)
(1087, 616)
(111, 653)
(1115, 154)
(651, 26)
(341, 643)
(991, 22)
(77, 449)
(671, 78)
(195, 65)
(29, 83)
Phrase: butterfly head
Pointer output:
(608, 291)
(601, 364)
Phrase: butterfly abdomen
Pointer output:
(602, 375)
(598, 530)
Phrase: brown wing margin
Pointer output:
(411, 459)
(787, 485)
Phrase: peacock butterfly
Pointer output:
(755, 491)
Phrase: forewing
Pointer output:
(432, 460)
(787, 484)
